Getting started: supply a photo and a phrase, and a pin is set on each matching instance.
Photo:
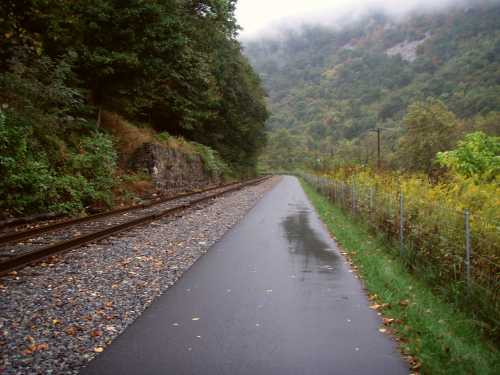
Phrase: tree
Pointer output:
(174, 64)
(430, 128)
(285, 150)
(477, 156)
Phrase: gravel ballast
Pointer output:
(56, 316)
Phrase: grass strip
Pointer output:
(433, 335)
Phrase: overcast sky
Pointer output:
(255, 16)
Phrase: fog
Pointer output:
(264, 17)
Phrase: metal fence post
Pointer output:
(401, 223)
(353, 196)
(371, 200)
(345, 190)
(467, 248)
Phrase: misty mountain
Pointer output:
(330, 85)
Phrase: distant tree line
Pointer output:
(329, 88)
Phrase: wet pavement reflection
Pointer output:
(309, 253)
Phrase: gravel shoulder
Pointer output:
(57, 316)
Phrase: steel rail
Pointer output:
(21, 235)
(63, 246)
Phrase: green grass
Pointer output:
(442, 339)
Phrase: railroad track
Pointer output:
(8, 230)
(22, 231)
(22, 248)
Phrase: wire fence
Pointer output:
(456, 252)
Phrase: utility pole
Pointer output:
(378, 149)
(379, 162)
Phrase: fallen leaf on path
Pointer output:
(388, 321)
(377, 306)
(71, 331)
(110, 328)
(96, 333)
(30, 339)
(417, 366)
(42, 346)
(28, 351)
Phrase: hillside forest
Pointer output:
(427, 85)
(428, 81)
(169, 70)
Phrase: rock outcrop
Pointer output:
(407, 50)
(171, 168)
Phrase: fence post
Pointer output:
(371, 200)
(345, 190)
(401, 223)
(467, 248)
(353, 195)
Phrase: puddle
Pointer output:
(310, 254)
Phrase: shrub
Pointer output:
(96, 163)
(31, 183)
(477, 156)
(212, 162)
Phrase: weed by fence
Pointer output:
(456, 252)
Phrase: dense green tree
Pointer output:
(284, 151)
(477, 156)
(430, 128)
(173, 65)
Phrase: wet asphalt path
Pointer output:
(274, 296)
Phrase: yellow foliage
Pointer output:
(456, 194)
(434, 213)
